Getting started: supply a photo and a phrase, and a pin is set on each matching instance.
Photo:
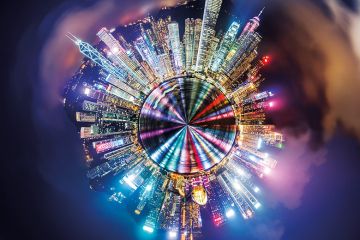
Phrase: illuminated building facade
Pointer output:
(119, 57)
(197, 35)
(224, 47)
(189, 42)
(211, 13)
(175, 46)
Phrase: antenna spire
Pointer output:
(261, 12)
(73, 38)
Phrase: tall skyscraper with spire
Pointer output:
(246, 42)
(252, 24)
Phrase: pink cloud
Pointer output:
(289, 179)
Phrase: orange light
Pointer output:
(199, 195)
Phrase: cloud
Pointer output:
(289, 179)
(270, 231)
(343, 83)
(322, 42)
(286, 184)
(318, 43)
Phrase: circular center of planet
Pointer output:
(187, 125)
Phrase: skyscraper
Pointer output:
(243, 57)
(246, 43)
(151, 221)
(122, 59)
(213, 46)
(252, 24)
(161, 31)
(92, 53)
(148, 55)
(196, 39)
(175, 46)
(224, 47)
(189, 41)
(165, 64)
(211, 13)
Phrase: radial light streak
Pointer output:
(189, 146)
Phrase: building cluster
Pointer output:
(106, 94)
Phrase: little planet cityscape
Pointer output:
(174, 124)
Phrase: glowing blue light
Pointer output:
(148, 229)
(230, 213)
(148, 188)
(172, 234)
(129, 181)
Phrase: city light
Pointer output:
(266, 59)
(252, 158)
(267, 171)
(199, 195)
(148, 187)
(173, 234)
(249, 213)
(241, 172)
(87, 91)
(129, 181)
(230, 213)
(171, 119)
(236, 185)
(115, 50)
(148, 229)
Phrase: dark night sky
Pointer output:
(45, 194)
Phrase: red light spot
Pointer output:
(266, 59)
